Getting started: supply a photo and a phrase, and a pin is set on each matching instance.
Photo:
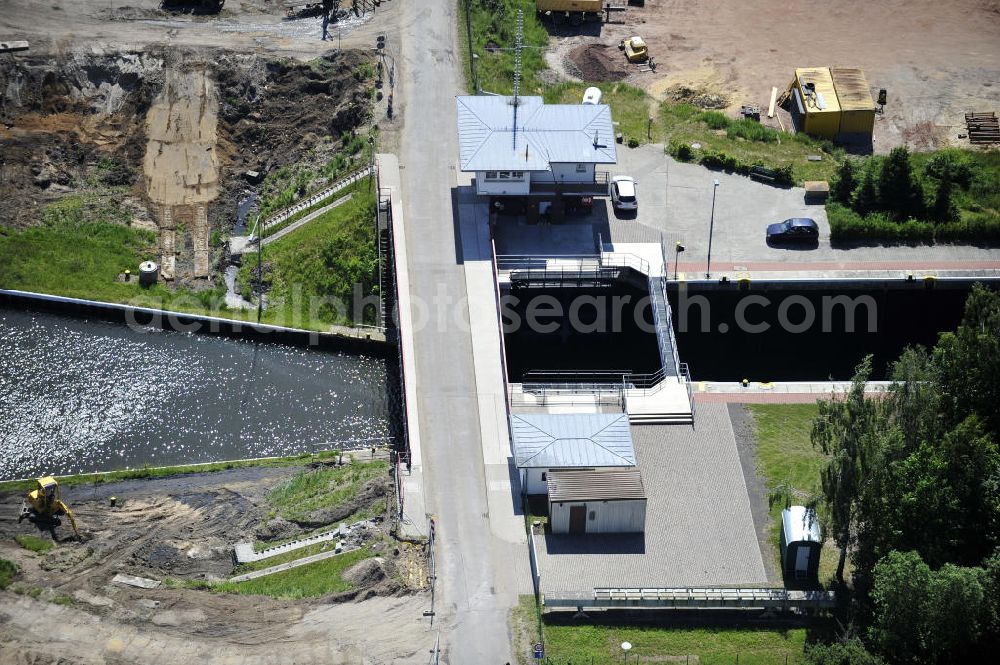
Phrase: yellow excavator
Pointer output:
(44, 505)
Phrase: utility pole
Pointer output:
(472, 56)
(711, 229)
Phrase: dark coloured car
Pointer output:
(797, 229)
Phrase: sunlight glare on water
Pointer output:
(82, 395)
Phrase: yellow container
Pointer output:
(816, 99)
(856, 103)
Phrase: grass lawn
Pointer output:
(311, 273)
(786, 457)
(599, 644)
(34, 543)
(315, 489)
(309, 581)
(630, 106)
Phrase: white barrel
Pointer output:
(592, 95)
(149, 272)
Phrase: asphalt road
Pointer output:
(473, 615)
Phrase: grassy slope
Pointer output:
(496, 20)
(599, 644)
(162, 472)
(7, 572)
(785, 456)
(323, 259)
(683, 123)
(315, 489)
(309, 581)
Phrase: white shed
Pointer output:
(610, 501)
(801, 543)
(545, 442)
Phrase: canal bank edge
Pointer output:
(413, 521)
(351, 340)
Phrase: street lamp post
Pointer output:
(626, 647)
(678, 248)
(711, 229)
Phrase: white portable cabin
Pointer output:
(605, 501)
(801, 543)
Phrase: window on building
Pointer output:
(504, 175)
(543, 476)
(491, 175)
(581, 168)
(517, 175)
(593, 514)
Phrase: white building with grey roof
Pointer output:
(547, 442)
(533, 148)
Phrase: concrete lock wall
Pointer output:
(622, 516)
(506, 186)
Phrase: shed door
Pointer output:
(802, 561)
(578, 519)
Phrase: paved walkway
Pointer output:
(777, 392)
(305, 220)
(699, 528)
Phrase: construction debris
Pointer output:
(983, 128)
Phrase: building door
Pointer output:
(801, 562)
(578, 519)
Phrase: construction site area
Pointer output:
(154, 565)
(935, 60)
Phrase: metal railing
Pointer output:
(597, 186)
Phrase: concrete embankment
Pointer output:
(351, 340)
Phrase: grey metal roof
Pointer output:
(546, 134)
(801, 525)
(595, 485)
(549, 440)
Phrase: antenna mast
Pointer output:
(518, 38)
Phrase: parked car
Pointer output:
(622, 190)
(796, 229)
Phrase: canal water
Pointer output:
(84, 395)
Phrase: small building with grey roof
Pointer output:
(545, 442)
(598, 501)
(528, 147)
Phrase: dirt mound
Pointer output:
(701, 97)
(366, 573)
(598, 62)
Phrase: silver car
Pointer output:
(622, 191)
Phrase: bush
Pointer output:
(950, 166)
(633, 142)
(715, 119)
(845, 224)
(684, 153)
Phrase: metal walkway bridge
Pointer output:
(718, 598)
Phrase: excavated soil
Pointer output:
(183, 527)
(176, 129)
(598, 62)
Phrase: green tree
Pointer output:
(899, 193)
(866, 197)
(956, 612)
(968, 360)
(842, 430)
(845, 183)
(902, 582)
(944, 209)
